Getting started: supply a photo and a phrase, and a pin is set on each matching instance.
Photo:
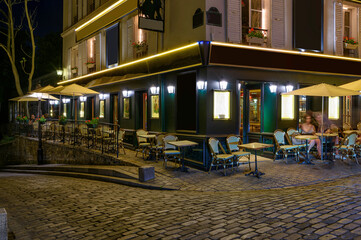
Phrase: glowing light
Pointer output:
(273, 88)
(334, 108)
(201, 85)
(102, 13)
(287, 107)
(66, 100)
(103, 96)
(126, 93)
(130, 63)
(59, 72)
(223, 85)
(82, 98)
(54, 102)
(154, 90)
(171, 89)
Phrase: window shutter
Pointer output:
(338, 28)
(359, 26)
(278, 24)
(234, 21)
(130, 37)
(83, 58)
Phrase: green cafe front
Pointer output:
(209, 89)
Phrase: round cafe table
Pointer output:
(326, 135)
(306, 138)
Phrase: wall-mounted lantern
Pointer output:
(223, 85)
(289, 88)
(154, 90)
(66, 100)
(171, 89)
(201, 85)
(273, 88)
(82, 98)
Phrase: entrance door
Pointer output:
(187, 102)
(115, 109)
(141, 111)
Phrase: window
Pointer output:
(64, 112)
(347, 24)
(112, 45)
(287, 107)
(221, 105)
(81, 112)
(91, 53)
(334, 108)
(74, 60)
(256, 14)
(101, 109)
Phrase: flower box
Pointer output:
(74, 70)
(255, 40)
(90, 65)
(350, 46)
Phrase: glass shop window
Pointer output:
(82, 112)
(112, 45)
(287, 107)
(101, 108)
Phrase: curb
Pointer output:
(95, 177)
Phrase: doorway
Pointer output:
(187, 102)
(115, 108)
(141, 111)
(250, 109)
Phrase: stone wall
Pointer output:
(23, 150)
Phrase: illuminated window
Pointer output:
(64, 113)
(81, 113)
(334, 108)
(287, 107)
(256, 14)
(221, 105)
(91, 53)
(101, 109)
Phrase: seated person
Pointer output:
(309, 129)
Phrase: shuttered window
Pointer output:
(338, 28)
(278, 23)
(112, 45)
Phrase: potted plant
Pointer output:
(19, 119)
(74, 70)
(140, 47)
(62, 120)
(92, 123)
(90, 64)
(25, 119)
(350, 43)
(42, 120)
(255, 36)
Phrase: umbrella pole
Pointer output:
(322, 129)
(74, 119)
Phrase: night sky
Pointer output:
(49, 17)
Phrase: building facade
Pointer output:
(210, 67)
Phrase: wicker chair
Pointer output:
(359, 126)
(347, 148)
(142, 142)
(158, 147)
(232, 145)
(170, 152)
(281, 146)
(219, 156)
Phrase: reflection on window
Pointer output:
(287, 107)
(255, 110)
(256, 13)
(91, 60)
(51, 111)
(334, 108)
(303, 108)
(101, 109)
(64, 113)
(221, 105)
(81, 113)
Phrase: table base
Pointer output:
(255, 173)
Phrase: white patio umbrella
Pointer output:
(323, 90)
(355, 86)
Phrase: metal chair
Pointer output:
(158, 147)
(290, 137)
(232, 145)
(121, 134)
(219, 156)
(347, 148)
(142, 142)
(281, 146)
(170, 152)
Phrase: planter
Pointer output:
(92, 125)
(256, 40)
(350, 46)
(74, 71)
(90, 65)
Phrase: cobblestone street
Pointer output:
(49, 207)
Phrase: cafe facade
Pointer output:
(200, 78)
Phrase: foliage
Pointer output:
(90, 62)
(94, 121)
(350, 41)
(138, 45)
(42, 120)
(255, 33)
(22, 118)
(62, 120)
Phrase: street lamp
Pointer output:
(40, 147)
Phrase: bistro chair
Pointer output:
(282, 147)
(121, 134)
(106, 135)
(359, 126)
(159, 146)
(170, 152)
(219, 156)
(347, 148)
(232, 145)
(142, 142)
(290, 137)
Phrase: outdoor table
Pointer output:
(326, 135)
(183, 144)
(151, 138)
(306, 138)
(255, 147)
(351, 131)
